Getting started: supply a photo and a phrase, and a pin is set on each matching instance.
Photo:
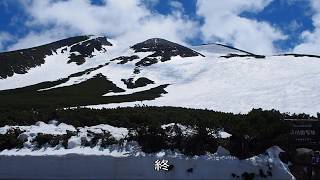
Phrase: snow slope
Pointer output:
(237, 84)
(56, 66)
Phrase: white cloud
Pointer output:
(129, 20)
(311, 39)
(39, 38)
(176, 5)
(294, 25)
(5, 38)
(174, 28)
(222, 22)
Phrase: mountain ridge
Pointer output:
(157, 72)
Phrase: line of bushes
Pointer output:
(256, 131)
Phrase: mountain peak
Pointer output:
(164, 48)
(155, 43)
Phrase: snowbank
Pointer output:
(216, 166)
(120, 160)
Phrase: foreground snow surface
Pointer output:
(107, 167)
(120, 161)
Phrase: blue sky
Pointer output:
(292, 18)
(260, 26)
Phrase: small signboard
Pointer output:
(304, 133)
(316, 159)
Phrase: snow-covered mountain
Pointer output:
(98, 72)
